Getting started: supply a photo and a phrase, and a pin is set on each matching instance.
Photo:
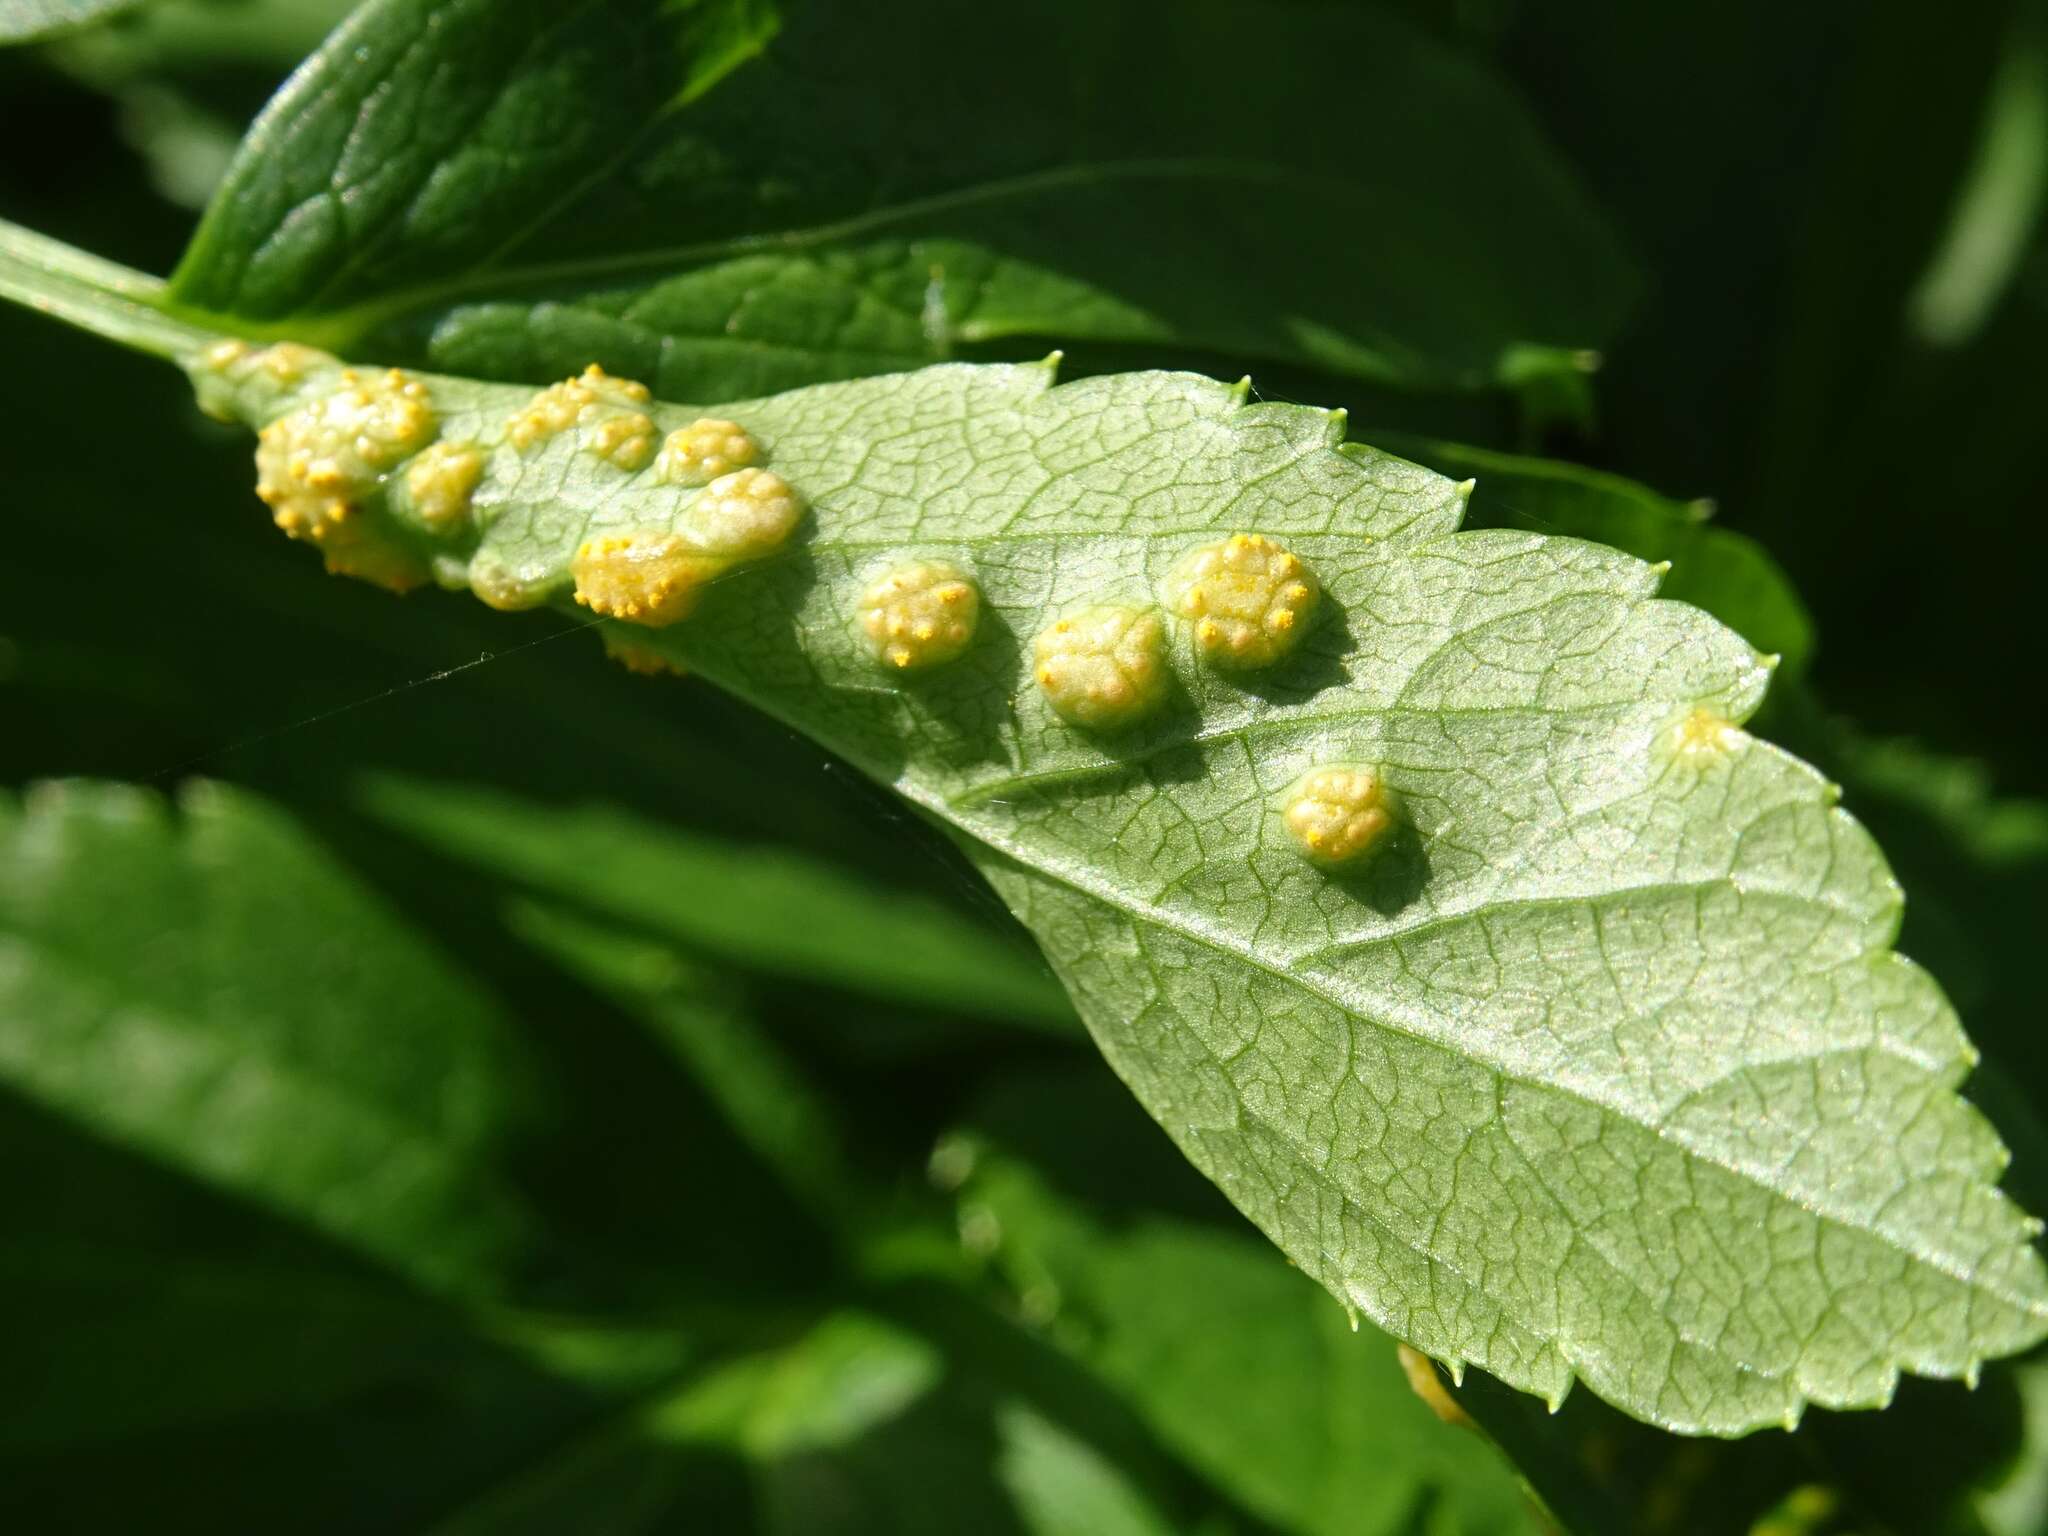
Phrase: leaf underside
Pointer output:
(1603, 1069)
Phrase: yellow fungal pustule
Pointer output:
(606, 407)
(704, 450)
(920, 615)
(626, 441)
(1249, 599)
(647, 577)
(1103, 667)
(316, 466)
(1702, 733)
(234, 380)
(286, 363)
(1338, 814)
(638, 656)
(224, 354)
(440, 481)
(743, 515)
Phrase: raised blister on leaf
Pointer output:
(920, 615)
(704, 450)
(638, 656)
(608, 407)
(1339, 813)
(1249, 598)
(626, 441)
(645, 576)
(743, 515)
(440, 481)
(1103, 667)
(317, 466)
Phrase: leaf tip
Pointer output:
(1241, 391)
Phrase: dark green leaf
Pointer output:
(1728, 574)
(511, 188)
(1242, 1367)
(779, 911)
(192, 983)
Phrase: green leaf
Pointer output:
(509, 188)
(2015, 1501)
(783, 912)
(109, 300)
(197, 1364)
(24, 21)
(1063, 1487)
(1602, 1069)
(1304, 1419)
(859, 1425)
(768, 1104)
(190, 984)
(1731, 576)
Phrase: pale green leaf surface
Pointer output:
(726, 203)
(1604, 1070)
(187, 984)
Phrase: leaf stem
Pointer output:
(103, 297)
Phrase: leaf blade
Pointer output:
(134, 1015)
(1572, 1082)
(677, 230)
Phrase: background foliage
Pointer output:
(481, 1195)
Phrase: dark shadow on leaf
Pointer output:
(1318, 663)
(1394, 876)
